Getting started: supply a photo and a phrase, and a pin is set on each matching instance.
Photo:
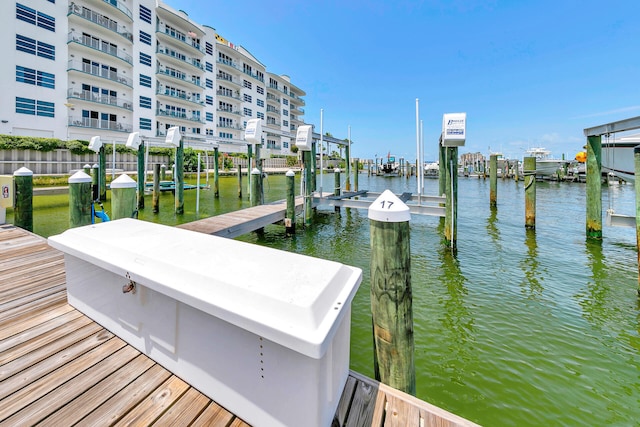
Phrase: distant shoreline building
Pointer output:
(82, 68)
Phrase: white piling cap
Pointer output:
(290, 173)
(389, 208)
(95, 166)
(255, 171)
(79, 177)
(336, 170)
(23, 172)
(87, 166)
(123, 181)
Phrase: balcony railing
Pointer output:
(97, 71)
(273, 98)
(228, 94)
(179, 95)
(275, 87)
(188, 41)
(271, 109)
(98, 45)
(230, 126)
(121, 7)
(274, 123)
(228, 64)
(178, 115)
(100, 20)
(86, 122)
(179, 75)
(227, 79)
(87, 95)
(180, 57)
(255, 76)
(229, 110)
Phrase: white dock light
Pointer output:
(304, 137)
(133, 141)
(454, 129)
(173, 136)
(253, 131)
(95, 144)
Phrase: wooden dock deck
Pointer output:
(58, 367)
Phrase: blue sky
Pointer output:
(527, 73)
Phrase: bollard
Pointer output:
(391, 295)
(123, 197)
(239, 181)
(23, 193)
(255, 187)
(179, 179)
(155, 203)
(336, 188)
(529, 170)
(493, 181)
(79, 200)
(216, 181)
(141, 176)
(290, 217)
(95, 182)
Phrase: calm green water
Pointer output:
(519, 329)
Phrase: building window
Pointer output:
(285, 122)
(145, 102)
(225, 135)
(145, 14)
(145, 80)
(246, 84)
(145, 124)
(145, 38)
(259, 115)
(209, 99)
(209, 132)
(145, 59)
(35, 107)
(209, 83)
(260, 75)
(285, 112)
(247, 98)
(248, 112)
(208, 48)
(35, 77)
(285, 144)
(33, 47)
(260, 90)
(34, 17)
(209, 117)
(285, 101)
(208, 66)
(260, 102)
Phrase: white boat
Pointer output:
(545, 164)
(617, 156)
(432, 170)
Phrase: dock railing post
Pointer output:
(529, 170)
(123, 197)
(141, 176)
(23, 193)
(179, 179)
(155, 203)
(391, 294)
(79, 199)
(216, 181)
(290, 217)
(636, 158)
(594, 187)
(493, 181)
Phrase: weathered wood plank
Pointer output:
(400, 413)
(47, 288)
(43, 407)
(95, 396)
(363, 404)
(185, 410)
(118, 405)
(214, 415)
(35, 314)
(345, 403)
(151, 408)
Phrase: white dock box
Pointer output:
(263, 332)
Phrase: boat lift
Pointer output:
(417, 204)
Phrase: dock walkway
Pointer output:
(58, 367)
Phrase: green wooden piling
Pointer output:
(102, 169)
(493, 181)
(87, 169)
(216, 179)
(442, 170)
(163, 172)
(356, 164)
(451, 193)
(594, 187)
(529, 170)
(179, 178)
(347, 154)
(636, 158)
(141, 176)
(290, 216)
(391, 294)
(95, 182)
(313, 167)
(155, 203)
(516, 171)
(308, 202)
(123, 197)
(336, 186)
(23, 193)
(255, 187)
(239, 169)
(79, 200)
(249, 168)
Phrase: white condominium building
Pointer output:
(76, 69)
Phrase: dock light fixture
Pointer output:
(134, 141)
(173, 136)
(304, 137)
(454, 129)
(253, 131)
(95, 144)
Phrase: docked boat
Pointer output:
(617, 156)
(546, 166)
(391, 167)
(432, 170)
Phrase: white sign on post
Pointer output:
(253, 131)
(454, 129)
(304, 137)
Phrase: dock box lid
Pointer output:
(294, 300)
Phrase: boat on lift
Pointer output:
(618, 158)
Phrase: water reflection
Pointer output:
(492, 228)
(594, 299)
(531, 286)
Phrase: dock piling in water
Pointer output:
(79, 199)
(493, 180)
(239, 169)
(336, 188)
(529, 169)
(636, 159)
(179, 178)
(290, 216)
(391, 294)
(216, 178)
(255, 184)
(102, 182)
(594, 187)
(123, 197)
(23, 190)
(155, 203)
(141, 176)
